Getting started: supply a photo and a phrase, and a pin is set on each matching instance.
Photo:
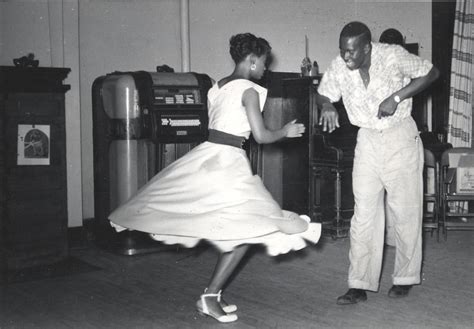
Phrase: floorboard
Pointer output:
(299, 290)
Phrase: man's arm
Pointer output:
(419, 84)
(389, 105)
(329, 118)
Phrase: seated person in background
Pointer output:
(392, 37)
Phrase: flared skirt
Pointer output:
(211, 194)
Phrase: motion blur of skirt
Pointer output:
(211, 194)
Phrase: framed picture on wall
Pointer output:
(33, 144)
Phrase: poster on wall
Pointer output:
(33, 144)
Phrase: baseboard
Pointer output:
(77, 237)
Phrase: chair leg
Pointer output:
(445, 229)
(444, 220)
(437, 229)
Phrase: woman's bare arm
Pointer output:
(260, 133)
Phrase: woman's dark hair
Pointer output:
(244, 44)
(356, 29)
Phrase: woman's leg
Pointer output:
(225, 266)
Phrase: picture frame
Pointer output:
(33, 144)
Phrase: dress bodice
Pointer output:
(226, 111)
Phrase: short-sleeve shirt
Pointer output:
(391, 68)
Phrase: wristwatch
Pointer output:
(397, 99)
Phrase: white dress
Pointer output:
(211, 194)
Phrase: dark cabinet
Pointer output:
(285, 166)
(310, 175)
(299, 102)
(33, 186)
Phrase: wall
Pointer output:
(286, 27)
(121, 36)
(96, 37)
(49, 29)
(2, 45)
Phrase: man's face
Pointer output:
(353, 51)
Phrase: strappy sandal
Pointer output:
(228, 308)
(203, 309)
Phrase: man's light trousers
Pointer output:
(388, 160)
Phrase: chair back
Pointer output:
(456, 206)
(454, 150)
(430, 175)
(430, 160)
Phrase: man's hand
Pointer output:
(329, 117)
(387, 108)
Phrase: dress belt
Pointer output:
(220, 137)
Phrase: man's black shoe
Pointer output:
(399, 291)
(352, 296)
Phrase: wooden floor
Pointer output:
(159, 290)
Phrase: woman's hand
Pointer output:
(293, 129)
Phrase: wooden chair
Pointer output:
(456, 208)
(431, 195)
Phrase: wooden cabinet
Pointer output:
(33, 186)
(309, 175)
(285, 166)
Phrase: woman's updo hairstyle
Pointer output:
(244, 44)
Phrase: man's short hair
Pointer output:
(356, 29)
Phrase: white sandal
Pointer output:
(205, 310)
(228, 308)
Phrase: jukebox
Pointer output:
(142, 121)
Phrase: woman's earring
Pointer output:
(253, 67)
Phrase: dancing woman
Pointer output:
(211, 194)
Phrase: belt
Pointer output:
(220, 137)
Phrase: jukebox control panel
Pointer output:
(179, 107)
